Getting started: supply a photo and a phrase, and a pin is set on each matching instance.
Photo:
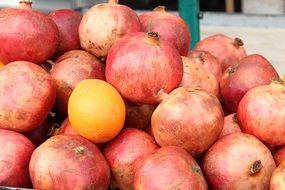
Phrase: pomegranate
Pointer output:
(157, 66)
(67, 22)
(169, 168)
(230, 125)
(277, 181)
(71, 68)
(186, 116)
(170, 27)
(253, 70)
(103, 24)
(138, 115)
(238, 161)
(208, 61)
(69, 162)
(29, 96)
(15, 154)
(125, 152)
(196, 76)
(261, 112)
(27, 34)
(228, 51)
(279, 155)
(64, 129)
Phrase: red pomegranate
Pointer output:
(157, 66)
(125, 152)
(69, 162)
(230, 125)
(208, 61)
(253, 70)
(27, 34)
(196, 76)
(67, 22)
(170, 28)
(29, 95)
(277, 181)
(169, 168)
(279, 155)
(238, 161)
(15, 154)
(64, 129)
(186, 116)
(103, 24)
(71, 68)
(138, 115)
(228, 51)
(261, 112)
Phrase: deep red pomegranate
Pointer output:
(64, 129)
(15, 154)
(230, 125)
(104, 23)
(261, 112)
(186, 116)
(125, 152)
(253, 70)
(27, 34)
(279, 155)
(28, 95)
(169, 168)
(208, 61)
(67, 21)
(139, 65)
(170, 28)
(238, 161)
(228, 51)
(69, 162)
(71, 68)
(196, 76)
(277, 181)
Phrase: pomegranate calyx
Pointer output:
(256, 167)
(238, 42)
(26, 4)
(48, 65)
(161, 95)
(113, 1)
(235, 118)
(159, 9)
(153, 35)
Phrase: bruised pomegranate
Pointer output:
(103, 24)
(169, 168)
(125, 152)
(208, 61)
(230, 125)
(64, 129)
(71, 68)
(27, 34)
(67, 22)
(140, 65)
(279, 155)
(253, 70)
(261, 112)
(186, 116)
(15, 154)
(277, 181)
(28, 95)
(196, 76)
(238, 161)
(69, 162)
(170, 28)
(228, 51)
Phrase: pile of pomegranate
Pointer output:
(210, 117)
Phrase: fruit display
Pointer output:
(114, 99)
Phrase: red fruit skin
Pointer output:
(71, 68)
(277, 181)
(69, 162)
(103, 24)
(228, 51)
(65, 129)
(196, 76)
(67, 21)
(253, 70)
(228, 163)
(27, 35)
(157, 66)
(171, 28)
(230, 125)
(279, 155)
(15, 154)
(29, 96)
(261, 112)
(185, 117)
(169, 168)
(124, 153)
(208, 61)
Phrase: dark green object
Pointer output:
(189, 10)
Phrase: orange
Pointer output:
(96, 110)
